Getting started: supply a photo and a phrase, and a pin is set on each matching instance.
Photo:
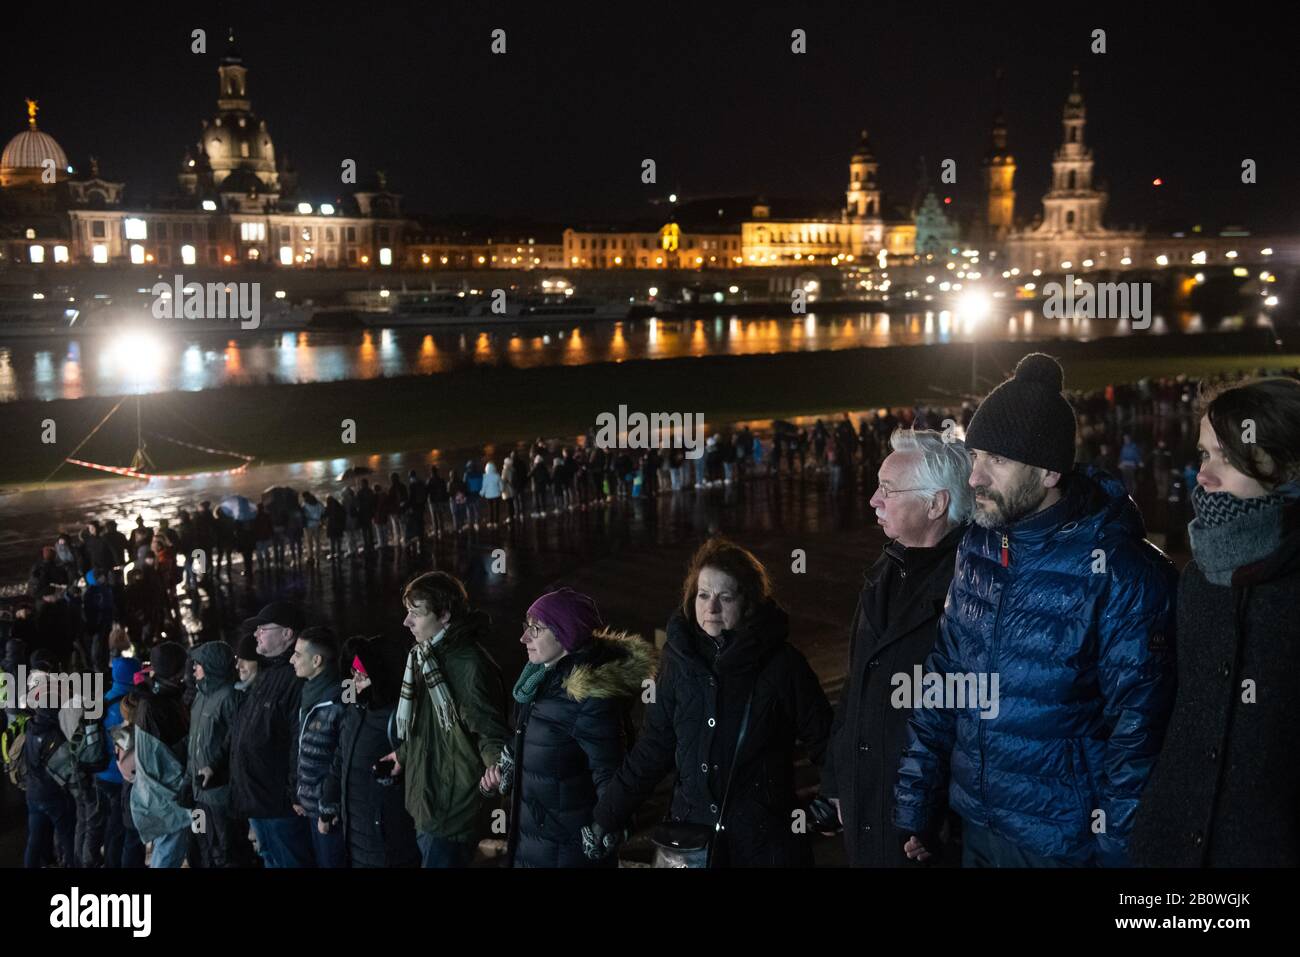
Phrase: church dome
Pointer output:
(242, 181)
(30, 149)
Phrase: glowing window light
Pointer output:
(135, 228)
(60, 254)
(385, 256)
(137, 254)
(36, 254)
(286, 255)
(188, 256)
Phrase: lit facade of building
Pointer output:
(235, 204)
(1071, 230)
(636, 246)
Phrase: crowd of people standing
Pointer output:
(1155, 704)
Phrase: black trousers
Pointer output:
(215, 840)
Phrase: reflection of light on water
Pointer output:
(618, 345)
(515, 343)
(288, 353)
(698, 341)
(482, 346)
(652, 330)
(1159, 326)
(231, 355)
(71, 377)
(368, 366)
(945, 326)
(8, 388)
(428, 351)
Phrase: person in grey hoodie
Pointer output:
(209, 754)
(320, 718)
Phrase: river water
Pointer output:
(146, 362)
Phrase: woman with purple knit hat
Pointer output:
(572, 714)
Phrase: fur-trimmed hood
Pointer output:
(613, 665)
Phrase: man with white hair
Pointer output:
(923, 502)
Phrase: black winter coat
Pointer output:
(569, 741)
(693, 725)
(264, 742)
(378, 828)
(1225, 791)
(870, 734)
(42, 737)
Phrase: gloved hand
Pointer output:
(507, 766)
(597, 843)
(824, 815)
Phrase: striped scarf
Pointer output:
(444, 707)
(1229, 532)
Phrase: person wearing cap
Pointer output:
(108, 783)
(572, 717)
(246, 662)
(450, 719)
(264, 739)
(161, 730)
(372, 813)
(1058, 596)
(208, 768)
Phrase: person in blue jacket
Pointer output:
(1059, 599)
(109, 781)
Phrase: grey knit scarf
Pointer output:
(1229, 532)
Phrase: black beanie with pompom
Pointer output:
(1027, 419)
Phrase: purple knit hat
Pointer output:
(571, 616)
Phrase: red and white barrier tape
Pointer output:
(204, 448)
(147, 476)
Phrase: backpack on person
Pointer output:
(56, 758)
(11, 750)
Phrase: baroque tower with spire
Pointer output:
(862, 200)
(999, 179)
(1071, 237)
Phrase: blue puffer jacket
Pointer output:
(1078, 629)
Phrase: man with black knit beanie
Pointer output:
(1061, 607)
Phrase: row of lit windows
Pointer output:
(249, 232)
(647, 243)
(643, 262)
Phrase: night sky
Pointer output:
(556, 129)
